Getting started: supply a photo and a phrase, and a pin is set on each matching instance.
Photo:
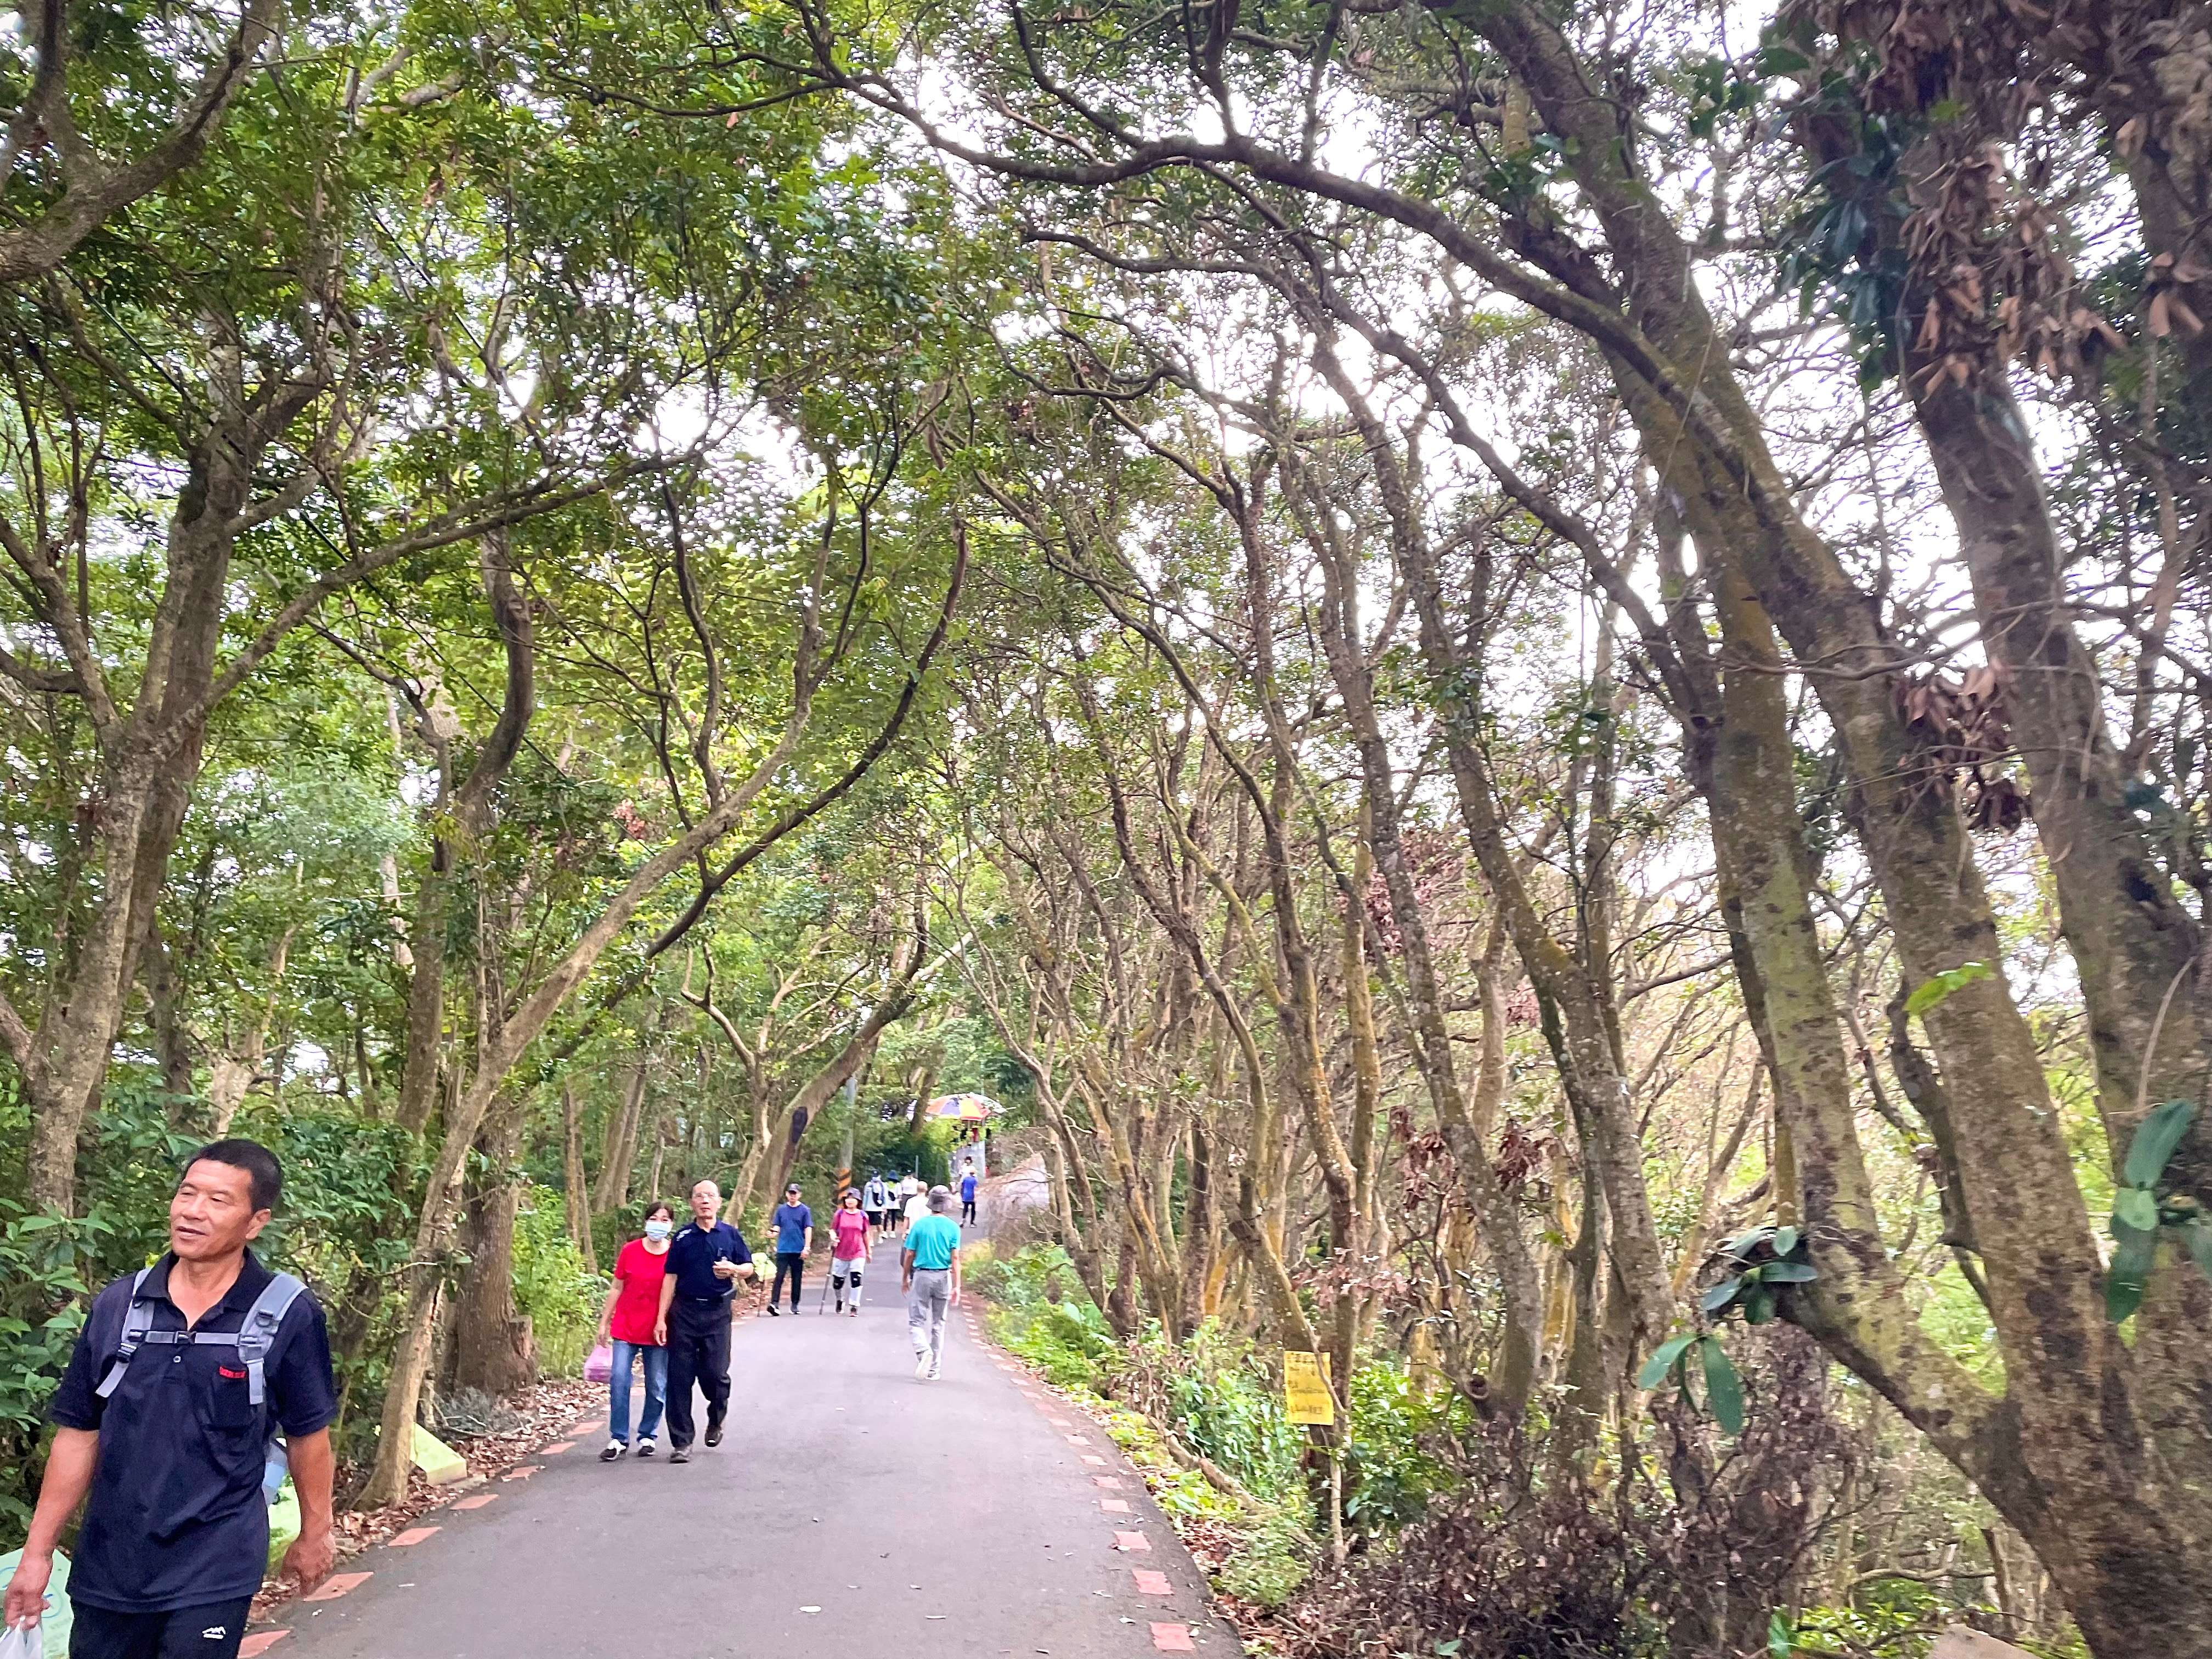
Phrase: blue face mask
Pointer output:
(656, 1230)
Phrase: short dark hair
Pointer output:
(658, 1206)
(260, 1164)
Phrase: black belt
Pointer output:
(706, 1301)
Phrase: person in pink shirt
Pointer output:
(849, 1254)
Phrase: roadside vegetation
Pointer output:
(1528, 683)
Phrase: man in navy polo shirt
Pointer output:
(706, 1259)
(794, 1237)
(176, 1535)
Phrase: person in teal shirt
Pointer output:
(929, 1274)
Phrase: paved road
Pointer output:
(851, 1504)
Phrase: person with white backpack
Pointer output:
(166, 1428)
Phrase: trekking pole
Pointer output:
(822, 1303)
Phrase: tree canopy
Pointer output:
(1528, 680)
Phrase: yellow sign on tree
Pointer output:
(1306, 1397)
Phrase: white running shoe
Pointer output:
(932, 1370)
(922, 1368)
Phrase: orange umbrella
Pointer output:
(963, 1109)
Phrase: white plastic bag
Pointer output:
(54, 1628)
(22, 1642)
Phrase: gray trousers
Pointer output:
(926, 1300)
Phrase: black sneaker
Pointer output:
(680, 1454)
(645, 1448)
(772, 1313)
(615, 1448)
(714, 1434)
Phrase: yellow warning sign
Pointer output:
(1306, 1398)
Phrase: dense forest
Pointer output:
(1529, 680)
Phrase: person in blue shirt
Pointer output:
(968, 1192)
(166, 1436)
(794, 1237)
(929, 1272)
(706, 1260)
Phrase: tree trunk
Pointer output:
(149, 762)
(165, 996)
(493, 1349)
(806, 1105)
(622, 1139)
(411, 1352)
(2110, 1488)
(575, 1195)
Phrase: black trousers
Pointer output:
(794, 1263)
(967, 1209)
(698, 1352)
(207, 1632)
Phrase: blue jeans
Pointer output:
(656, 1391)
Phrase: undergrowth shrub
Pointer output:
(1523, 1553)
(1034, 1275)
(1503, 1566)
(1272, 1561)
(1222, 1400)
(1392, 1470)
(553, 1287)
(42, 1302)
(1040, 1312)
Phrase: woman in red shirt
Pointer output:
(632, 1309)
(850, 1253)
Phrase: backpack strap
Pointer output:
(258, 1335)
(137, 1321)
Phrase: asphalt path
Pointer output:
(850, 1503)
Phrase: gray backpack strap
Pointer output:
(258, 1335)
(137, 1320)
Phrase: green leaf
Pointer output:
(1785, 1240)
(2154, 1140)
(1790, 1273)
(1936, 987)
(1759, 1305)
(1781, 1640)
(1720, 1296)
(2132, 1256)
(2197, 1237)
(1664, 1360)
(1724, 1387)
(1741, 1243)
(2135, 1209)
